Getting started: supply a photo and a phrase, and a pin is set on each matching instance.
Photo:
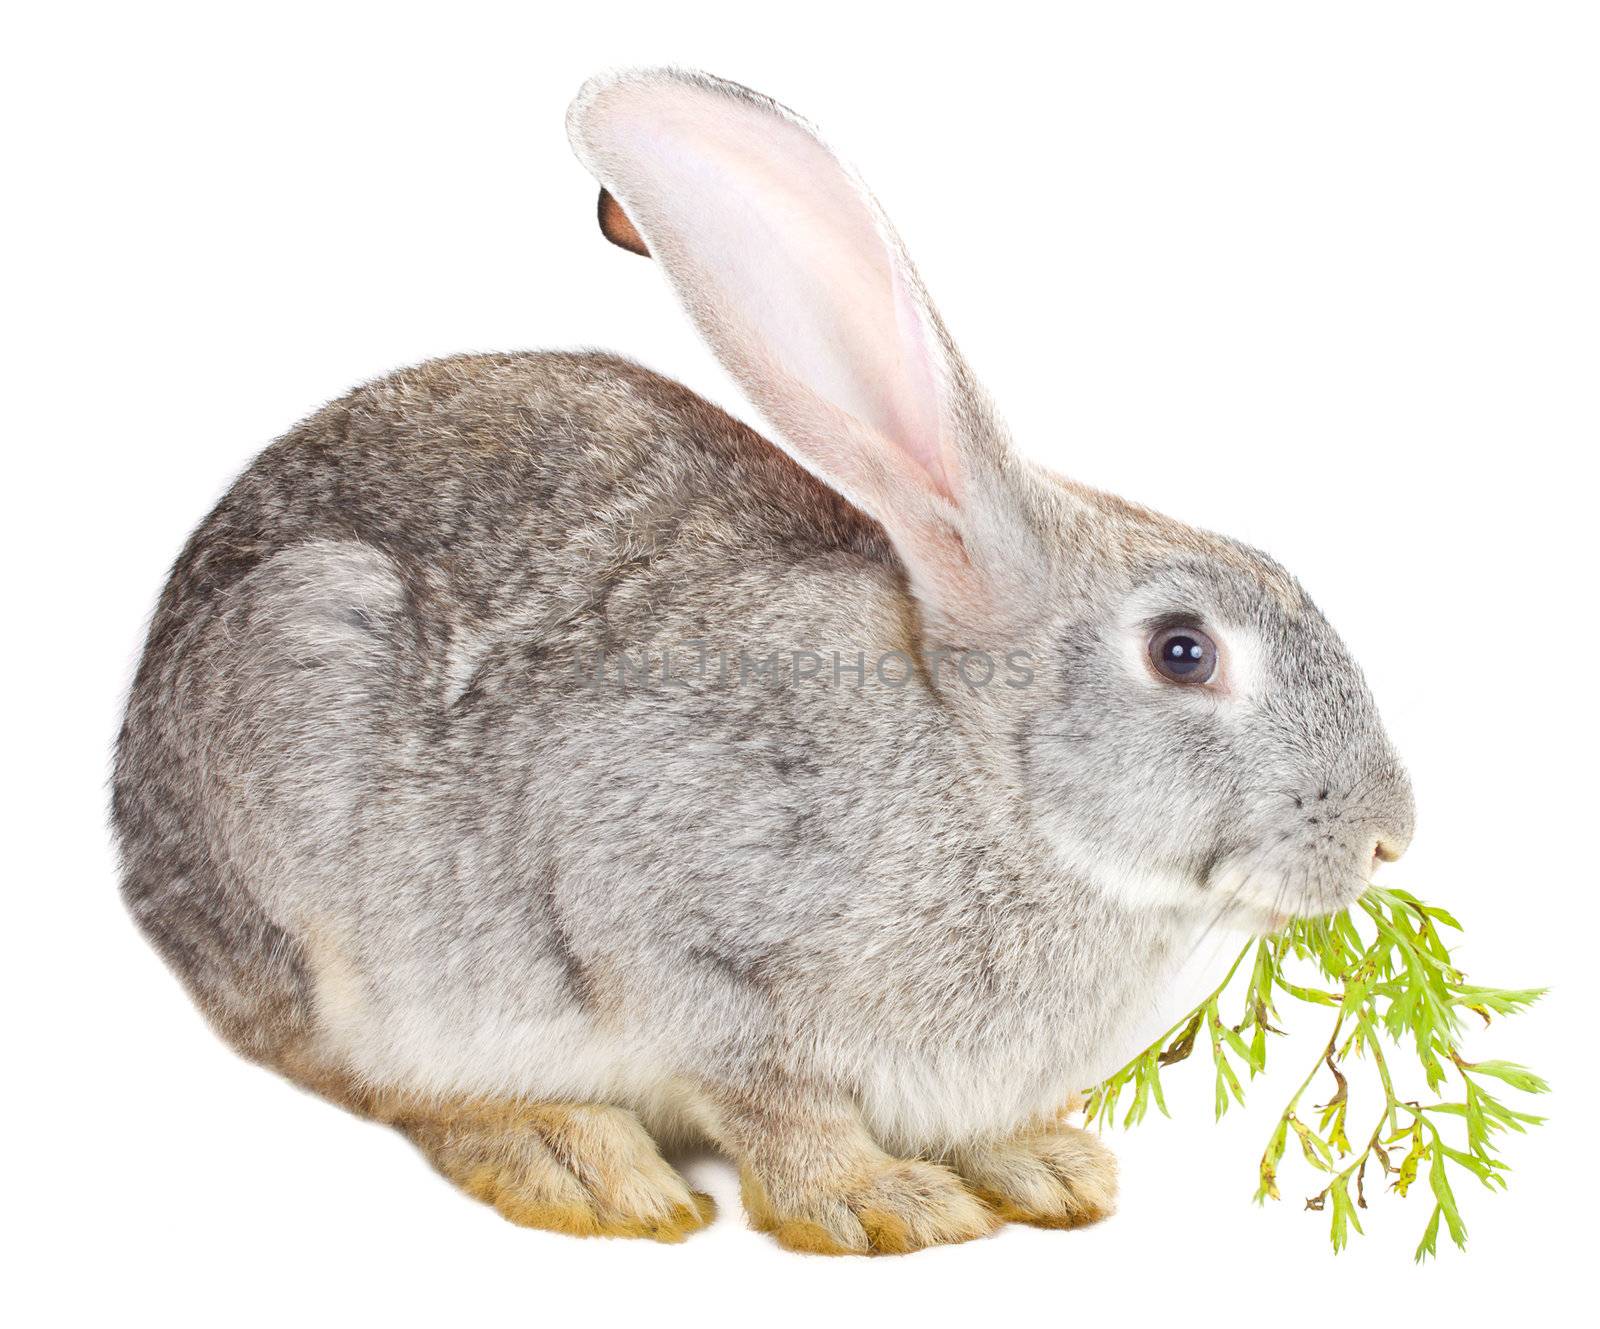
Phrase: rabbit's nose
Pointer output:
(1385, 850)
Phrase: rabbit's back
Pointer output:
(509, 478)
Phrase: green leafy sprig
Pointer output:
(1387, 977)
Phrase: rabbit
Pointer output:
(532, 757)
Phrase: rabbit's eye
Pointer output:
(1183, 655)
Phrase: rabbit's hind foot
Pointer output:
(893, 1207)
(1050, 1175)
(817, 1182)
(587, 1169)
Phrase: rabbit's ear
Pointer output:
(800, 285)
(616, 227)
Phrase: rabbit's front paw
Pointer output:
(889, 1207)
(1050, 1176)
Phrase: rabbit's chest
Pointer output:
(1054, 1035)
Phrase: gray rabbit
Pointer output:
(530, 756)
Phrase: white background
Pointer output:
(1322, 278)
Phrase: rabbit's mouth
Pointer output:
(1234, 891)
(1256, 887)
(1264, 891)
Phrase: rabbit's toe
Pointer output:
(589, 1170)
(1059, 1176)
(897, 1206)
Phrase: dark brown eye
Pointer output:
(1183, 655)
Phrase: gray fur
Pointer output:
(375, 816)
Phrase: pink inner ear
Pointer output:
(924, 438)
(776, 247)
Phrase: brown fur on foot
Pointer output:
(586, 1169)
(890, 1207)
(1056, 1176)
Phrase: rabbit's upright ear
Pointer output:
(790, 271)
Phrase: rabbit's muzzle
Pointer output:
(1316, 850)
